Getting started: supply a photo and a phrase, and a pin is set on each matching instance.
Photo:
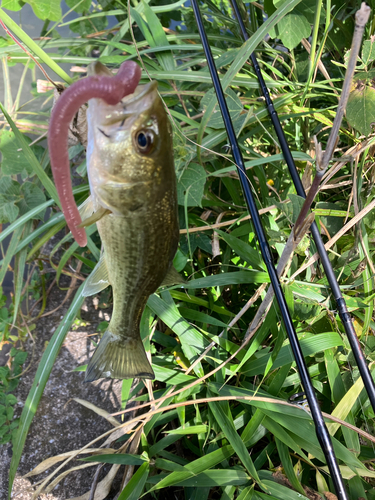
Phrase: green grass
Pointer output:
(228, 408)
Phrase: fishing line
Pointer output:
(320, 426)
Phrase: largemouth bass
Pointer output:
(134, 198)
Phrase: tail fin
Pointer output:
(117, 357)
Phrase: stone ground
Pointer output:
(60, 424)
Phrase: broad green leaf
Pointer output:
(235, 278)
(346, 404)
(190, 186)
(31, 158)
(278, 490)
(287, 464)
(302, 431)
(200, 317)
(14, 5)
(193, 429)
(133, 489)
(171, 377)
(9, 197)
(14, 160)
(87, 26)
(159, 37)
(347, 473)
(16, 199)
(309, 291)
(332, 223)
(193, 469)
(196, 240)
(8, 210)
(168, 465)
(297, 155)
(368, 51)
(183, 151)
(308, 8)
(21, 221)
(338, 392)
(291, 29)
(33, 214)
(283, 436)
(31, 197)
(46, 9)
(234, 104)
(80, 6)
(360, 110)
(211, 478)
(309, 346)
(153, 35)
(193, 343)
(243, 249)
(225, 422)
(246, 494)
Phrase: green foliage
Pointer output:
(191, 185)
(235, 434)
(9, 380)
(294, 26)
(361, 104)
(44, 9)
(16, 199)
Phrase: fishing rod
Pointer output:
(320, 426)
(342, 309)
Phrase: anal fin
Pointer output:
(172, 278)
(98, 279)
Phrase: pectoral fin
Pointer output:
(98, 279)
(172, 278)
(86, 209)
(99, 214)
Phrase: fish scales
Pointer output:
(134, 274)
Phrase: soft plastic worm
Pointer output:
(111, 90)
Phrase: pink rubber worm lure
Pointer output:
(111, 90)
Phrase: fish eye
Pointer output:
(144, 141)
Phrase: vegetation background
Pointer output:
(227, 437)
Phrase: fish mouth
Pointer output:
(141, 101)
(140, 93)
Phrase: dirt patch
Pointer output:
(60, 424)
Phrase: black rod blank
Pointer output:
(339, 299)
(320, 426)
